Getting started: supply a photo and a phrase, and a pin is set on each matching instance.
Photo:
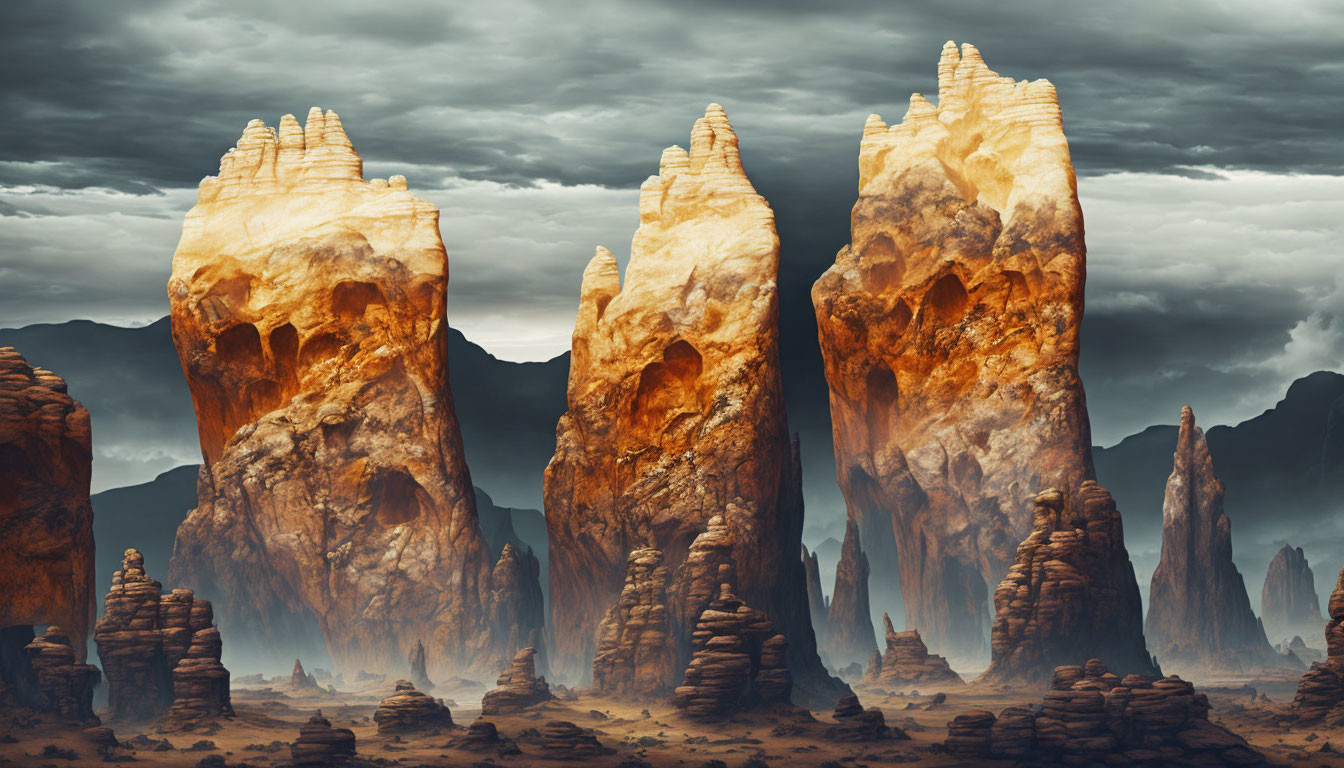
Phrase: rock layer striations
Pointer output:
(308, 312)
(1199, 614)
(949, 329)
(46, 521)
(676, 413)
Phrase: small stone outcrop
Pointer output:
(739, 661)
(1289, 604)
(1320, 693)
(46, 520)
(563, 740)
(483, 736)
(634, 652)
(419, 670)
(410, 711)
(66, 685)
(1072, 587)
(519, 687)
(854, 723)
(1199, 615)
(907, 662)
(321, 744)
(849, 622)
(301, 681)
(160, 652)
(1100, 719)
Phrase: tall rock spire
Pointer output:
(308, 312)
(949, 330)
(849, 637)
(1199, 614)
(676, 414)
(1289, 605)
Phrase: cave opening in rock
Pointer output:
(239, 344)
(350, 298)
(670, 386)
(946, 299)
(398, 499)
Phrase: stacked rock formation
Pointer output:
(1104, 720)
(46, 521)
(160, 652)
(949, 329)
(1199, 615)
(676, 412)
(634, 656)
(854, 723)
(849, 625)
(308, 312)
(1071, 587)
(907, 662)
(1288, 602)
(321, 744)
(518, 609)
(519, 686)
(562, 740)
(66, 685)
(816, 599)
(410, 711)
(1320, 693)
(738, 661)
(419, 673)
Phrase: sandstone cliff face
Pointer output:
(949, 329)
(160, 652)
(46, 521)
(1320, 693)
(1288, 602)
(675, 408)
(1072, 587)
(308, 312)
(1199, 614)
(849, 636)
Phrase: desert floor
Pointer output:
(268, 719)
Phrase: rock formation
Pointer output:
(1320, 694)
(1199, 614)
(633, 652)
(1088, 720)
(410, 711)
(46, 521)
(854, 723)
(517, 607)
(301, 681)
(160, 652)
(738, 661)
(676, 413)
(849, 624)
(321, 744)
(308, 313)
(1288, 602)
(66, 685)
(483, 736)
(419, 673)
(563, 740)
(519, 686)
(816, 599)
(1072, 587)
(907, 662)
(949, 330)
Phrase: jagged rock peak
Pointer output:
(1289, 604)
(1002, 141)
(1199, 614)
(849, 623)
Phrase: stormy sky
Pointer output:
(1205, 135)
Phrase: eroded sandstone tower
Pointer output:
(949, 329)
(46, 521)
(1199, 614)
(675, 410)
(308, 312)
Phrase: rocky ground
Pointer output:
(628, 734)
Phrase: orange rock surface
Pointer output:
(675, 408)
(949, 330)
(46, 521)
(308, 312)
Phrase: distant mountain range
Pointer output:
(1284, 469)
